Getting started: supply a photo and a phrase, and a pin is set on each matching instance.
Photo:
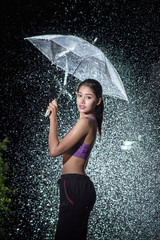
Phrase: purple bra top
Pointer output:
(81, 150)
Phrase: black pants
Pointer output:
(77, 197)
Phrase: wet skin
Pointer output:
(84, 131)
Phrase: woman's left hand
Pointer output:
(53, 107)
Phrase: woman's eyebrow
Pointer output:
(85, 93)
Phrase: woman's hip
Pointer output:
(77, 189)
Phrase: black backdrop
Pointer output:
(128, 31)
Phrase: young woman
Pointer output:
(77, 193)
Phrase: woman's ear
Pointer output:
(99, 101)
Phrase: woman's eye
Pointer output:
(78, 95)
(88, 97)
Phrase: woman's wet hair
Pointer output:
(97, 89)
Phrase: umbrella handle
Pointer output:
(46, 113)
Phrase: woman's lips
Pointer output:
(81, 107)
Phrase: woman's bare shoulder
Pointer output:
(85, 122)
(81, 123)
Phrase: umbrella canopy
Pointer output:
(82, 60)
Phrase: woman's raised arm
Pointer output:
(78, 132)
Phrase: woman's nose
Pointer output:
(82, 99)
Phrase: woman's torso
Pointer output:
(74, 164)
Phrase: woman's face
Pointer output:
(86, 100)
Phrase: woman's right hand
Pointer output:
(53, 108)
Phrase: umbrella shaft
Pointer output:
(47, 112)
(64, 87)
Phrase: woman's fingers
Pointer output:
(53, 106)
(54, 102)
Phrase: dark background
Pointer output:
(128, 31)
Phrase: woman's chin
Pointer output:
(81, 110)
(85, 112)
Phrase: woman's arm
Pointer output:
(78, 132)
(53, 135)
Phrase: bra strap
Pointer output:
(91, 117)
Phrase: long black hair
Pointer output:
(97, 89)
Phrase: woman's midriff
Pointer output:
(73, 164)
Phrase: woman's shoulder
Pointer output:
(85, 122)
(82, 121)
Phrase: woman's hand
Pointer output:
(53, 107)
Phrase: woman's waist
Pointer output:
(73, 160)
(73, 170)
(74, 165)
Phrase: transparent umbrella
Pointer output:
(81, 59)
